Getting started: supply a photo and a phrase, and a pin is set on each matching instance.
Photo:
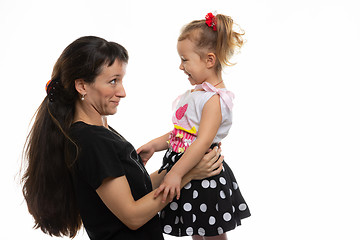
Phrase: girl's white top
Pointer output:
(188, 110)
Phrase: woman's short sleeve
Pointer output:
(99, 157)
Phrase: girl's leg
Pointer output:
(197, 237)
(219, 237)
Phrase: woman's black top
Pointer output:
(104, 153)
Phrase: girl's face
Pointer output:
(191, 62)
(105, 92)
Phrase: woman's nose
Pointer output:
(181, 67)
(120, 92)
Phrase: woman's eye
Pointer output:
(113, 81)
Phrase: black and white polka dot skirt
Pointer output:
(206, 207)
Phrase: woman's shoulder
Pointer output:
(87, 129)
(84, 132)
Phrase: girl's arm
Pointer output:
(158, 144)
(116, 193)
(209, 125)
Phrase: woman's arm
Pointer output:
(205, 168)
(157, 178)
(116, 193)
(208, 127)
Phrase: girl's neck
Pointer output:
(216, 81)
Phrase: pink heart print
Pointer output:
(181, 111)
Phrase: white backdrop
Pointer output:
(294, 145)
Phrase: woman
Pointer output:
(79, 169)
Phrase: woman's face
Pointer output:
(105, 92)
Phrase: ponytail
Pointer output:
(48, 187)
(228, 41)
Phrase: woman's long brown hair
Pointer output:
(49, 152)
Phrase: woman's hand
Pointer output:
(210, 165)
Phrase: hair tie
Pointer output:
(210, 20)
(51, 88)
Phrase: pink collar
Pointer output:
(225, 95)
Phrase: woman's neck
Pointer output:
(87, 116)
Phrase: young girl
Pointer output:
(202, 118)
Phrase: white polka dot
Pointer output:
(176, 220)
(222, 180)
(189, 231)
(217, 207)
(173, 206)
(227, 216)
(220, 230)
(187, 207)
(203, 207)
(242, 207)
(235, 186)
(173, 158)
(205, 183)
(187, 186)
(233, 208)
(167, 229)
(222, 194)
(181, 220)
(194, 217)
(195, 194)
(213, 184)
(212, 220)
(201, 231)
(230, 192)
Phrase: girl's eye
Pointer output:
(113, 81)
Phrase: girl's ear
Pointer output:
(80, 86)
(210, 60)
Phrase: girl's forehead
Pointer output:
(185, 45)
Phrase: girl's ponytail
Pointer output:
(228, 40)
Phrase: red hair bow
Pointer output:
(210, 20)
(47, 86)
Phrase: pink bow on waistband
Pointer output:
(225, 95)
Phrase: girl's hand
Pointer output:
(170, 186)
(146, 151)
(210, 165)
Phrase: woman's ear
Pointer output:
(80, 86)
(210, 60)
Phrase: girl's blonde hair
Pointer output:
(224, 41)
